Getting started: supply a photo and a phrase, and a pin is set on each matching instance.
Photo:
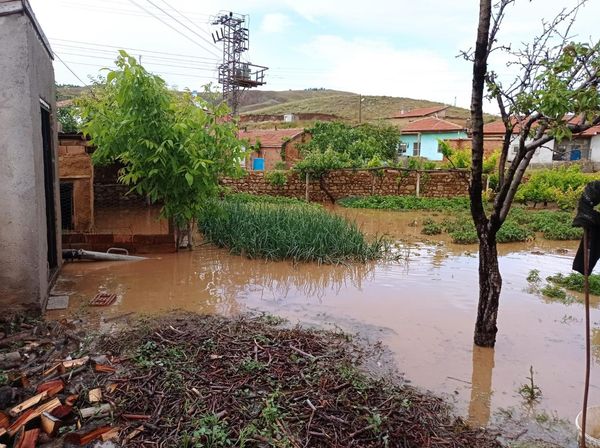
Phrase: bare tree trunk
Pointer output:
(490, 284)
(490, 281)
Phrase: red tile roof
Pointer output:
(497, 127)
(594, 130)
(431, 124)
(269, 138)
(420, 112)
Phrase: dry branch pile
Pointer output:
(195, 381)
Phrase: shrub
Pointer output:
(277, 178)
(296, 232)
(464, 235)
(429, 165)
(511, 232)
(430, 227)
(554, 292)
(563, 232)
(562, 185)
(575, 282)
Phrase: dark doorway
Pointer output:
(49, 188)
(66, 205)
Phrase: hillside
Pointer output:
(343, 104)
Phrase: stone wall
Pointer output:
(346, 183)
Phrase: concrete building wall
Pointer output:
(595, 148)
(429, 143)
(26, 77)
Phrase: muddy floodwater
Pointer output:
(422, 306)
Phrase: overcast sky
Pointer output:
(377, 47)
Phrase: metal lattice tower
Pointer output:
(234, 74)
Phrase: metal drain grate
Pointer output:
(103, 299)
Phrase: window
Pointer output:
(515, 149)
(416, 148)
(402, 147)
(439, 146)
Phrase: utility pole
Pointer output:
(359, 108)
(235, 75)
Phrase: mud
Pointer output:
(422, 307)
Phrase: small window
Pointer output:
(416, 152)
(439, 147)
(515, 149)
(417, 145)
(402, 147)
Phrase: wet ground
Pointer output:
(422, 307)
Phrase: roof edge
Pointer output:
(11, 7)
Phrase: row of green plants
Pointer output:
(406, 203)
(521, 225)
(286, 230)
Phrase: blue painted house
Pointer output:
(420, 138)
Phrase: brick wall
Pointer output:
(75, 166)
(345, 183)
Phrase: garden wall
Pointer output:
(346, 183)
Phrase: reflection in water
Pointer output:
(481, 386)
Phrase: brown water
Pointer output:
(422, 307)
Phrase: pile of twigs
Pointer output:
(216, 382)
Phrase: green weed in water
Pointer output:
(400, 203)
(430, 227)
(575, 282)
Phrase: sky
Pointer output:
(376, 47)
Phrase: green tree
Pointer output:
(554, 95)
(68, 118)
(361, 143)
(173, 147)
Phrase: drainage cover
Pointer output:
(103, 299)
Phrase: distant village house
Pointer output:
(421, 138)
(273, 147)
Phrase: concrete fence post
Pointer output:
(418, 186)
(307, 192)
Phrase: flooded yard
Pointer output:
(422, 306)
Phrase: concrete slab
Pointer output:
(58, 303)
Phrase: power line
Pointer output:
(150, 62)
(69, 68)
(96, 52)
(134, 49)
(185, 16)
(188, 75)
(173, 28)
(113, 9)
(183, 24)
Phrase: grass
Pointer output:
(278, 231)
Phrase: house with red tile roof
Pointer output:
(582, 146)
(271, 147)
(420, 138)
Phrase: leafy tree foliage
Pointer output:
(359, 144)
(68, 118)
(173, 146)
